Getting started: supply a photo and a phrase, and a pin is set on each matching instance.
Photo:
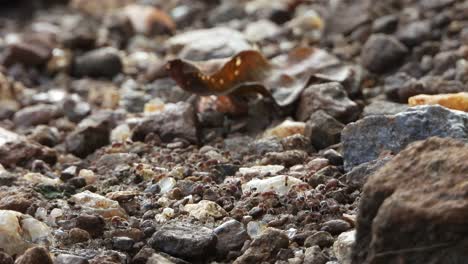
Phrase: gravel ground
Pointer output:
(211, 131)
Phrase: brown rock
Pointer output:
(78, 235)
(5, 258)
(92, 223)
(264, 247)
(457, 101)
(415, 208)
(35, 255)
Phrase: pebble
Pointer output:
(78, 235)
(205, 210)
(264, 246)
(123, 243)
(5, 258)
(336, 226)
(261, 171)
(35, 115)
(382, 53)
(313, 255)
(285, 129)
(70, 259)
(342, 248)
(415, 33)
(323, 130)
(265, 145)
(458, 101)
(98, 204)
(279, 184)
(35, 255)
(104, 62)
(231, 236)
(321, 239)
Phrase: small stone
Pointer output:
(121, 133)
(45, 135)
(286, 129)
(231, 236)
(357, 177)
(458, 101)
(35, 255)
(264, 247)
(384, 108)
(333, 157)
(159, 259)
(104, 62)
(29, 51)
(35, 115)
(329, 97)
(99, 8)
(261, 171)
(415, 33)
(205, 210)
(75, 108)
(386, 24)
(93, 224)
(176, 120)
(382, 53)
(343, 246)
(321, 239)
(70, 259)
(279, 184)
(78, 235)
(5, 258)
(313, 255)
(184, 240)
(323, 130)
(123, 243)
(98, 204)
(264, 145)
(287, 158)
(261, 30)
(149, 20)
(68, 173)
(336, 226)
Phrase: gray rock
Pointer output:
(238, 146)
(329, 97)
(336, 226)
(414, 33)
(70, 259)
(373, 136)
(314, 255)
(382, 53)
(323, 130)
(265, 145)
(123, 243)
(30, 51)
(175, 121)
(75, 108)
(386, 24)
(5, 258)
(104, 62)
(35, 115)
(321, 239)
(225, 12)
(231, 236)
(357, 177)
(343, 246)
(384, 108)
(91, 133)
(414, 207)
(45, 135)
(184, 240)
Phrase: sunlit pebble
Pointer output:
(238, 62)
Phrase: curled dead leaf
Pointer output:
(249, 72)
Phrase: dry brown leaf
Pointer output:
(249, 72)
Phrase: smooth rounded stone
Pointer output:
(411, 185)
(78, 235)
(261, 171)
(231, 236)
(329, 97)
(323, 130)
(382, 53)
(415, 33)
(321, 239)
(285, 129)
(205, 210)
(314, 255)
(5, 258)
(35, 115)
(20, 231)
(75, 108)
(91, 133)
(45, 135)
(384, 108)
(93, 224)
(175, 121)
(70, 259)
(366, 139)
(97, 204)
(123, 243)
(264, 247)
(184, 240)
(279, 184)
(29, 51)
(385, 24)
(261, 30)
(336, 226)
(205, 44)
(104, 62)
(265, 145)
(342, 248)
(35, 255)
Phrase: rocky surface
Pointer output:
(217, 131)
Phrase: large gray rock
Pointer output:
(329, 97)
(377, 136)
(415, 208)
(184, 240)
(175, 121)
